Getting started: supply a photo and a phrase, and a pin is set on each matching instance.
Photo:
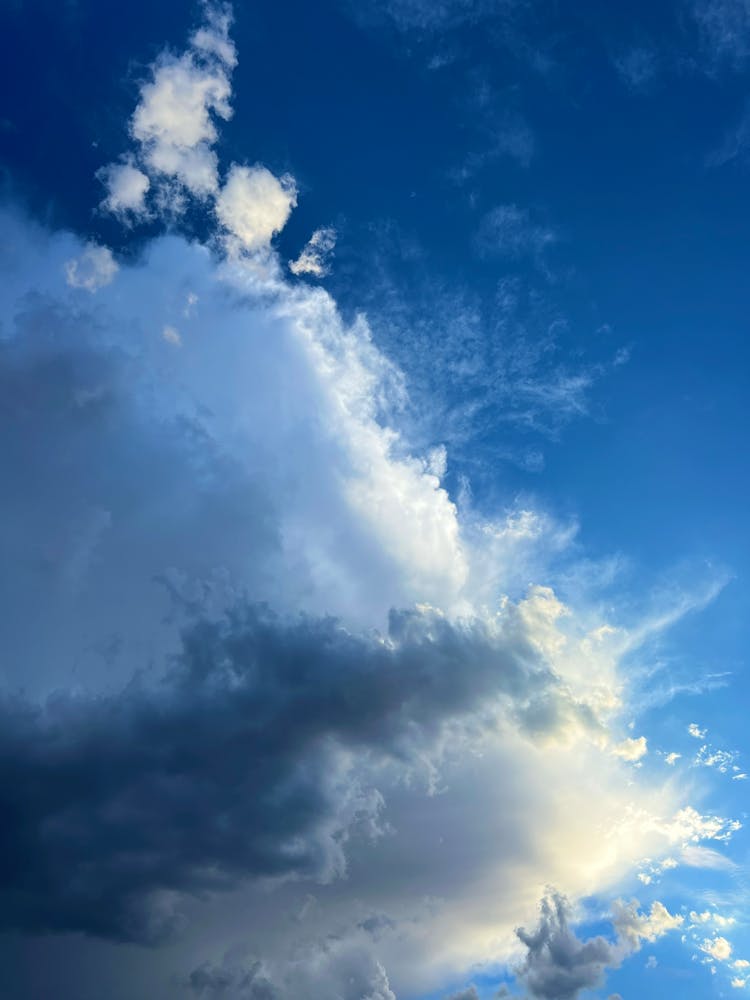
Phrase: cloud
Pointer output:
(696, 732)
(315, 254)
(161, 487)
(631, 749)
(127, 187)
(509, 231)
(239, 763)
(92, 270)
(718, 948)
(173, 119)
(634, 927)
(210, 543)
(560, 966)
(174, 124)
(336, 969)
(254, 205)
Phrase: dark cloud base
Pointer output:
(250, 758)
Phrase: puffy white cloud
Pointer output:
(635, 927)
(631, 749)
(696, 732)
(718, 948)
(173, 121)
(254, 205)
(94, 268)
(127, 187)
(174, 124)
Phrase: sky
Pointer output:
(374, 387)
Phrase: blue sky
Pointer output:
(375, 383)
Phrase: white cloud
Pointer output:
(635, 927)
(631, 749)
(718, 948)
(174, 124)
(172, 335)
(315, 254)
(94, 268)
(672, 758)
(254, 205)
(708, 756)
(127, 187)
(696, 732)
(705, 857)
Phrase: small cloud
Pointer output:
(92, 270)
(191, 301)
(254, 205)
(722, 760)
(696, 732)
(672, 758)
(314, 259)
(127, 187)
(718, 948)
(651, 962)
(172, 336)
(631, 749)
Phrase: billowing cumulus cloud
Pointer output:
(182, 488)
(273, 671)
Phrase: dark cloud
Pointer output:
(559, 965)
(248, 759)
(333, 969)
(212, 982)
